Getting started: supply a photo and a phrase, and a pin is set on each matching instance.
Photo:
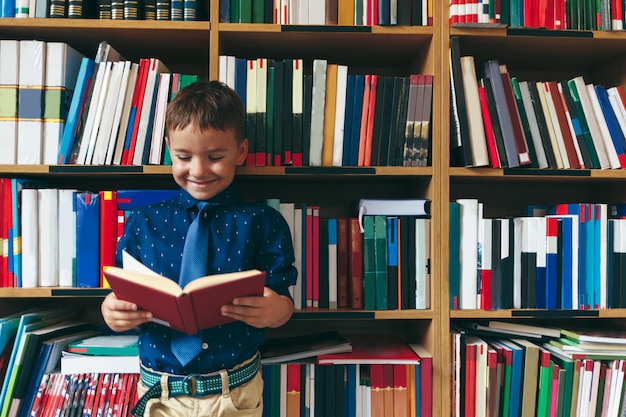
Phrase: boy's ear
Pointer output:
(243, 152)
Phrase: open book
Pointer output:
(191, 309)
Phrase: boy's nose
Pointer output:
(198, 167)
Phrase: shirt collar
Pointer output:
(227, 197)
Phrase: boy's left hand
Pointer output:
(269, 310)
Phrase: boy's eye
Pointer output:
(215, 158)
(183, 157)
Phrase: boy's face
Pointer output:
(203, 163)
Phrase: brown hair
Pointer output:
(207, 105)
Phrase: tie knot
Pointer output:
(203, 207)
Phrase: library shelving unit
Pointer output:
(195, 47)
(534, 55)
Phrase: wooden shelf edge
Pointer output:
(537, 314)
(87, 24)
(50, 292)
(317, 314)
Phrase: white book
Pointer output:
(156, 67)
(317, 12)
(559, 156)
(318, 99)
(103, 134)
(478, 142)
(618, 108)
(607, 154)
(481, 374)
(223, 69)
(30, 109)
(518, 242)
(604, 129)
(9, 76)
(91, 112)
(48, 237)
(117, 116)
(393, 12)
(293, 8)
(98, 111)
(422, 283)
(283, 390)
(30, 237)
(297, 250)
(340, 114)
(555, 125)
(158, 130)
(284, 12)
(469, 252)
(67, 237)
(123, 124)
(75, 363)
(332, 263)
(303, 12)
(62, 65)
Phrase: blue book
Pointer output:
(351, 384)
(418, 386)
(87, 206)
(551, 270)
(85, 75)
(567, 247)
(617, 135)
(517, 362)
(241, 74)
(8, 8)
(347, 123)
(393, 224)
(355, 130)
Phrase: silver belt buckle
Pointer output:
(190, 383)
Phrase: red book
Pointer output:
(388, 389)
(371, 113)
(494, 160)
(377, 386)
(554, 389)
(401, 397)
(4, 235)
(552, 88)
(108, 231)
(520, 139)
(356, 264)
(370, 350)
(343, 259)
(191, 309)
(470, 380)
(133, 122)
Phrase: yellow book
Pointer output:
(329, 115)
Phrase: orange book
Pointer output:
(190, 309)
(364, 112)
(371, 113)
(330, 106)
(108, 231)
(293, 389)
(356, 264)
(345, 12)
(343, 259)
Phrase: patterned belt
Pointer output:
(192, 385)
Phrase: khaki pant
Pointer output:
(243, 401)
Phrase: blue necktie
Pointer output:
(194, 265)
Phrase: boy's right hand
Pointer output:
(122, 315)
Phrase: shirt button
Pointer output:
(205, 346)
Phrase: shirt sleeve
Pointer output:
(275, 255)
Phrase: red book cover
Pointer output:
(520, 138)
(552, 88)
(494, 160)
(372, 349)
(108, 231)
(343, 258)
(293, 389)
(388, 389)
(401, 398)
(191, 309)
(4, 234)
(356, 265)
(470, 380)
(493, 384)
(316, 256)
(554, 389)
(140, 85)
(309, 256)
(364, 114)
(377, 384)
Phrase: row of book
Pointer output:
(380, 376)
(329, 12)
(330, 117)
(178, 10)
(565, 256)
(552, 15)
(502, 121)
(499, 374)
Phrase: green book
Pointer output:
(380, 262)
(106, 345)
(567, 364)
(369, 265)
(545, 384)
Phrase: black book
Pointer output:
(507, 265)
(383, 100)
(416, 13)
(397, 153)
(297, 112)
(407, 260)
(495, 122)
(393, 234)
(268, 13)
(460, 151)
(404, 12)
(306, 118)
(496, 265)
(541, 122)
(390, 132)
(269, 126)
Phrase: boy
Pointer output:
(206, 138)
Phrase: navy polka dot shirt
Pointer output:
(243, 236)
